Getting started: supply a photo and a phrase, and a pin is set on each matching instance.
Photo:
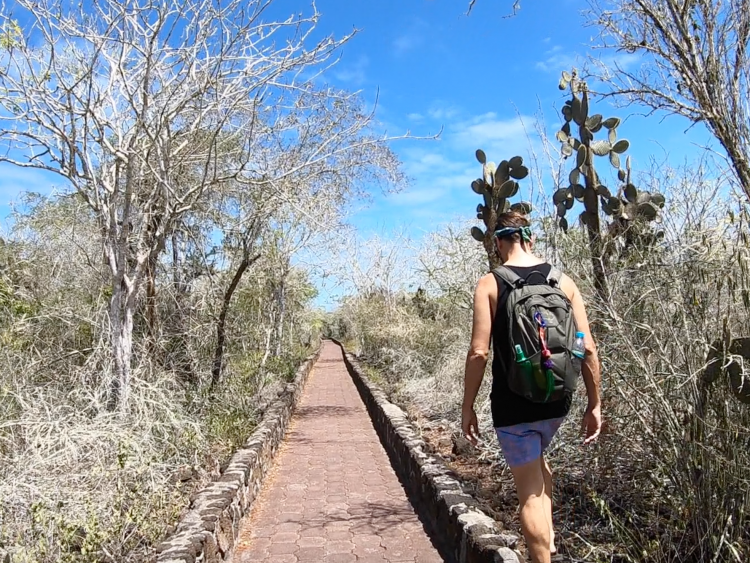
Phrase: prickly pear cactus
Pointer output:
(497, 185)
(629, 208)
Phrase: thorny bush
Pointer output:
(669, 480)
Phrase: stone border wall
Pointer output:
(207, 532)
(464, 532)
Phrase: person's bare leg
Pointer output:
(529, 480)
(547, 473)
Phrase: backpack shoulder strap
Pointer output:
(508, 276)
(554, 276)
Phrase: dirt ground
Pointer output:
(580, 538)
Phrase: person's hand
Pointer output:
(470, 424)
(592, 424)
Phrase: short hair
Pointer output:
(514, 220)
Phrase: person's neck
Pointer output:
(519, 257)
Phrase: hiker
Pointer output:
(525, 426)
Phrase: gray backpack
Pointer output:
(540, 325)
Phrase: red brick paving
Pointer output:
(332, 496)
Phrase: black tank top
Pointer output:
(507, 407)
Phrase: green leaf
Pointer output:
(603, 191)
(563, 224)
(515, 161)
(621, 146)
(578, 191)
(566, 150)
(478, 186)
(658, 199)
(612, 136)
(481, 157)
(567, 113)
(478, 234)
(621, 175)
(561, 209)
(566, 129)
(562, 136)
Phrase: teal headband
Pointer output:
(525, 232)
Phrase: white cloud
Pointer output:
(355, 73)
(444, 169)
(415, 117)
(556, 60)
(410, 39)
(439, 110)
(406, 42)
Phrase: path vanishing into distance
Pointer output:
(332, 495)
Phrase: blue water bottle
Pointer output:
(579, 350)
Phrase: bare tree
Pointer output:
(695, 64)
(125, 98)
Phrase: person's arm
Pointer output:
(590, 369)
(476, 358)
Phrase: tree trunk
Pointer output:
(179, 357)
(281, 310)
(218, 363)
(593, 228)
(121, 336)
(267, 348)
(151, 315)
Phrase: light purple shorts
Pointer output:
(523, 443)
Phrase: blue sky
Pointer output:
(480, 78)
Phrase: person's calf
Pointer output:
(547, 474)
(535, 529)
(530, 487)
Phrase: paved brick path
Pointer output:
(332, 496)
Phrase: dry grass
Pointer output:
(669, 480)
